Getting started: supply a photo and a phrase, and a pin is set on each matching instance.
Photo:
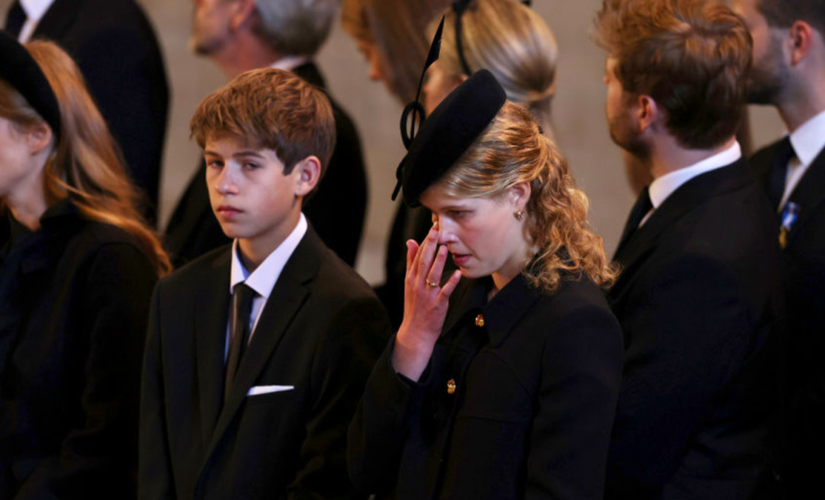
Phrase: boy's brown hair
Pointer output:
(691, 56)
(270, 109)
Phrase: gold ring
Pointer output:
(431, 284)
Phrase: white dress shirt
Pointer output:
(262, 280)
(289, 63)
(35, 10)
(807, 141)
(666, 185)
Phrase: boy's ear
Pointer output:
(308, 175)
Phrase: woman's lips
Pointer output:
(461, 259)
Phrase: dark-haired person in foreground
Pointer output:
(789, 73)
(503, 386)
(696, 297)
(258, 352)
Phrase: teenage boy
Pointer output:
(696, 298)
(258, 353)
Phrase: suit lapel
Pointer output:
(57, 20)
(211, 316)
(808, 194)
(290, 292)
(683, 200)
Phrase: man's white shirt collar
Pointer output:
(264, 277)
(809, 139)
(289, 63)
(35, 10)
(664, 186)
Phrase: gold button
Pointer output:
(480, 320)
(451, 386)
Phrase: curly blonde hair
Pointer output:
(513, 150)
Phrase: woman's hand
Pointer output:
(425, 305)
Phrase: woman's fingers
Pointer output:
(437, 269)
(448, 287)
(426, 253)
(412, 251)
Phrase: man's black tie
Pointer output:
(779, 171)
(15, 20)
(642, 206)
(238, 332)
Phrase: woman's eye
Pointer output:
(214, 164)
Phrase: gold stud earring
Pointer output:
(519, 215)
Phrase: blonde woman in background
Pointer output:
(505, 37)
(77, 268)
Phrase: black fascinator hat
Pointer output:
(19, 69)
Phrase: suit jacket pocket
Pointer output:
(277, 396)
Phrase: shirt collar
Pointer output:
(35, 9)
(263, 279)
(664, 186)
(289, 63)
(809, 139)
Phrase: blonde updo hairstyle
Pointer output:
(511, 41)
(398, 28)
(513, 150)
(86, 165)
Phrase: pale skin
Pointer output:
(492, 242)
(253, 200)
(26, 197)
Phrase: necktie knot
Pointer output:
(779, 171)
(239, 329)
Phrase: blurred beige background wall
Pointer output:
(578, 117)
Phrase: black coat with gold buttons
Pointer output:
(517, 401)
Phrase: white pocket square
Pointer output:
(266, 389)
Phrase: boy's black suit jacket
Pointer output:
(116, 49)
(697, 304)
(321, 331)
(337, 210)
(803, 276)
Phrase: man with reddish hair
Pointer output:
(788, 72)
(696, 297)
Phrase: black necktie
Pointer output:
(642, 206)
(15, 20)
(238, 332)
(779, 171)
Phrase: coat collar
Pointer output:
(57, 20)
(500, 314)
(685, 199)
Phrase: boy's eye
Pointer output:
(457, 214)
(214, 163)
(251, 166)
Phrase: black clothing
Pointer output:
(116, 49)
(534, 380)
(318, 337)
(697, 301)
(74, 302)
(337, 209)
(803, 275)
